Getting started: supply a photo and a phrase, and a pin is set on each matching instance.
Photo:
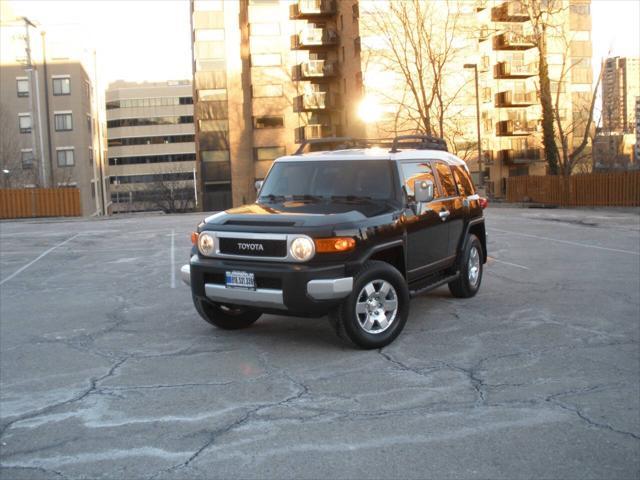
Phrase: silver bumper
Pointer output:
(260, 297)
(185, 274)
(331, 289)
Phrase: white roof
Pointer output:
(374, 154)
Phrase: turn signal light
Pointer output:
(194, 238)
(334, 245)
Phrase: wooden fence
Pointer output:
(620, 189)
(40, 202)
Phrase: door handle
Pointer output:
(444, 214)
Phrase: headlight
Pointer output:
(205, 244)
(302, 249)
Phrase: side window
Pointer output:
(463, 181)
(417, 171)
(446, 180)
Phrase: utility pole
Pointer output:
(47, 108)
(98, 160)
(30, 69)
(481, 172)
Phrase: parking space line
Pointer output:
(173, 259)
(493, 259)
(43, 254)
(567, 242)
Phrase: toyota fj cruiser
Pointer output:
(351, 232)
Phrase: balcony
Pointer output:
(312, 132)
(314, 38)
(509, 70)
(312, 9)
(519, 157)
(317, 102)
(513, 41)
(515, 128)
(481, 5)
(510, 12)
(515, 99)
(315, 70)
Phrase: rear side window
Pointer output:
(446, 180)
(463, 181)
(417, 171)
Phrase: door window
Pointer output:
(463, 181)
(418, 171)
(446, 180)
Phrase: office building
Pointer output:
(50, 112)
(620, 87)
(151, 146)
(270, 74)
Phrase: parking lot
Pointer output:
(108, 372)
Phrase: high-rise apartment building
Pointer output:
(151, 146)
(269, 74)
(50, 113)
(620, 87)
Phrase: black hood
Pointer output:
(299, 214)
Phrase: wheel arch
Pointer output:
(391, 253)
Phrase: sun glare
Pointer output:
(369, 110)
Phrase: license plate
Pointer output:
(240, 280)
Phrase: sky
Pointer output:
(150, 39)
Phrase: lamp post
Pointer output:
(474, 66)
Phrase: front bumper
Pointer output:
(287, 288)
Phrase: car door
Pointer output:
(427, 234)
(453, 213)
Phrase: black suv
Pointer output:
(351, 232)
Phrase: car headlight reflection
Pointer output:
(302, 249)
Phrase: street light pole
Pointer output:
(481, 172)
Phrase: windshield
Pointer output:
(332, 179)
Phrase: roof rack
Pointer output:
(420, 142)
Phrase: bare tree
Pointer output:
(419, 46)
(581, 120)
(13, 173)
(171, 191)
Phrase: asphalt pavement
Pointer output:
(106, 370)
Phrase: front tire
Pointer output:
(468, 283)
(375, 312)
(226, 317)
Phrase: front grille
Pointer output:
(253, 247)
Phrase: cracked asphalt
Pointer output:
(106, 371)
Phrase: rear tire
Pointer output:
(468, 283)
(375, 312)
(226, 317)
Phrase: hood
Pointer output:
(300, 214)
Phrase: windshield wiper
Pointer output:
(310, 198)
(272, 198)
(351, 198)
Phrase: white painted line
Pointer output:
(567, 242)
(173, 259)
(508, 263)
(43, 254)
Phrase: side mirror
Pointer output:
(258, 185)
(423, 191)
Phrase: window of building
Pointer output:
(22, 86)
(212, 95)
(155, 140)
(63, 122)
(24, 122)
(209, 50)
(266, 60)
(209, 35)
(265, 29)
(135, 122)
(355, 12)
(268, 121)
(140, 159)
(62, 85)
(214, 155)
(268, 153)
(213, 141)
(27, 158)
(260, 91)
(357, 45)
(214, 125)
(208, 5)
(90, 156)
(65, 157)
(89, 122)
